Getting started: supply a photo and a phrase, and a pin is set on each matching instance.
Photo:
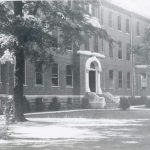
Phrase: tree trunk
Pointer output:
(19, 75)
(18, 89)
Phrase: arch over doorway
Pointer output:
(92, 75)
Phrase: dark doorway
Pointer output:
(92, 81)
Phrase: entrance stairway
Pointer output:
(111, 100)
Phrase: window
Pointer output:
(24, 73)
(128, 80)
(0, 73)
(86, 43)
(102, 16)
(38, 73)
(96, 43)
(120, 79)
(143, 80)
(137, 29)
(94, 11)
(55, 38)
(120, 50)
(55, 75)
(110, 49)
(127, 26)
(119, 23)
(110, 19)
(102, 44)
(128, 51)
(69, 76)
(88, 7)
(111, 79)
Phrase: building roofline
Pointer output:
(123, 10)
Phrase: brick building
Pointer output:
(98, 66)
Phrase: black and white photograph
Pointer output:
(74, 75)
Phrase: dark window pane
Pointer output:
(69, 81)
(120, 79)
(128, 80)
(39, 78)
(110, 49)
(55, 75)
(69, 75)
(38, 73)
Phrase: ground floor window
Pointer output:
(69, 75)
(55, 75)
(38, 73)
(120, 79)
(111, 79)
(128, 80)
(0, 73)
(143, 80)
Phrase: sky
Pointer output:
(141, 7)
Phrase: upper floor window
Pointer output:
(38, 73)
(128, 80)
(96, 43)
(127, 26)
(137, 29)
(143, 80)
(0, 73)
(110, 21)
(110, 49)
(102, 17)
(120, 50)
(69, 75)
(119, 23)
(55, 75)
(86, 42)
(88, 7)
(128, 51)
(120, 79)
(94, 11)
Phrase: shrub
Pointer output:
(136, 100)
(39, 105)
(69, 103)
(55, 105)
(85, 103)
(147, 102)
(7, 117)
(124, 103)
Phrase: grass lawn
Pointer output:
(82, 130)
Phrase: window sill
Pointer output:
(56, 86)
(39, 85)
(69, 87)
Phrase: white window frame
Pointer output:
(69, 76)
(57, 75)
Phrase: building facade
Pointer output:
(98, 66)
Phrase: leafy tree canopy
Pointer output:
(142, 50)
(43, 28)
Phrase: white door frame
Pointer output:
(98, 69)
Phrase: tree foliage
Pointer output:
(143, 50)
(36, 31)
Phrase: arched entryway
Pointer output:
(92, 75)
